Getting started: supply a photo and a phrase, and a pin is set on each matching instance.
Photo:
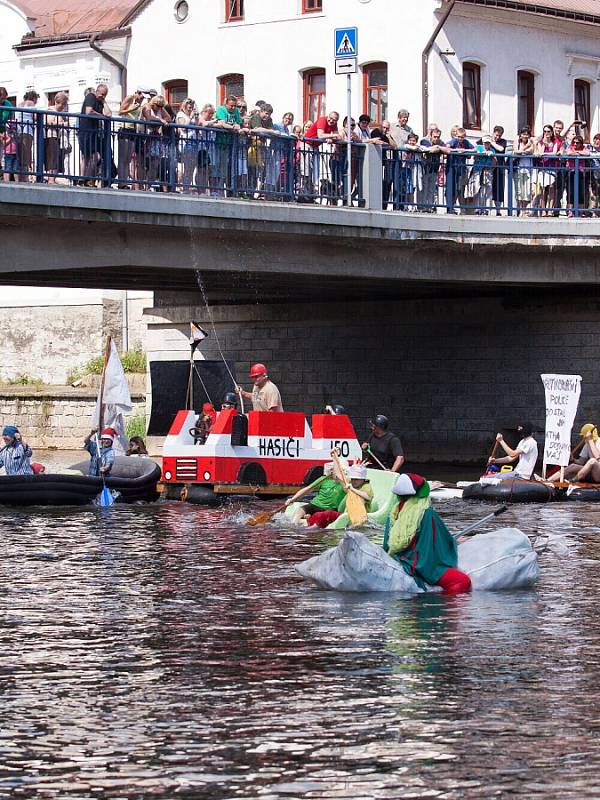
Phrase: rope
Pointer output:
(200, 283)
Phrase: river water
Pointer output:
(169, 651)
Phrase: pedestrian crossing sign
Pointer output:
(346, 42)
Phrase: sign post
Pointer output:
(562, 399)
(346, 61)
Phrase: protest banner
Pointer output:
(562, 399)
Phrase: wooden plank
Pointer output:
(237, 488)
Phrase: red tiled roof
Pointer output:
(584, 10)
(71, 17)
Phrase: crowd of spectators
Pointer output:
(234, 150)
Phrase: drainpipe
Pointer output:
(93, 44)
(425, 63)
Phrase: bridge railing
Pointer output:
(510, 184)
(51, 146)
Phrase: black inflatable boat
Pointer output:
(585, 493)
(511, 492)
(133, 478)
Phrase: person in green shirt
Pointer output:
(328, 498)
(5, 106)
(229, 118)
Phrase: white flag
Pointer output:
(116, 399)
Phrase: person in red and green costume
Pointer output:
(417, 538)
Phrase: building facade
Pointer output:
(506, 62)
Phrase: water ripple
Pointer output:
(169, 651)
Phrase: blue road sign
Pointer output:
(346, 42)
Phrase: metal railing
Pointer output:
(49, 146)
(491, 183)
(59, 147)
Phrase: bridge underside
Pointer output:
(250, 252)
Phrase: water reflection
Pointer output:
(169, 651)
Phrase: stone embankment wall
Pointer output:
(49, 342)
(448, 371)
(54, 416)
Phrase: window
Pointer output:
(314, 94)
(234, 10)
(175, 93)
(471, 96)
(525, 99)
(375, 78)
(231, 84)
(311, 5)
(582, 106)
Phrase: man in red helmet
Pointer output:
(265, 395)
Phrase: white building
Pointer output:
(493, 62)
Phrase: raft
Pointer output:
(381, 505)
(501, 560)
(132, 479)
(585, 493)
(497, 490)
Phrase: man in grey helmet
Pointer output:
(383, 448)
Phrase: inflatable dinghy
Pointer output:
(498, 490)
(132, 477)
(502, 559)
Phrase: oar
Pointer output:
(267, 516)
(469, 528)
(355, 505)
(493, 455)
(372, 454)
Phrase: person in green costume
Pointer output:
(417, 538)
(328, 498)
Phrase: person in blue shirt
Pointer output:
(101, 460)
(15, 454)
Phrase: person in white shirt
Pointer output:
(525, 454)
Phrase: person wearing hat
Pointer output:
(360, 485)
(586, 467)
(101, 458)
(15, 454)
(204, 422)
(418, 539)
(383, 446)
(525, 454)
(229, 401)
(265, 395)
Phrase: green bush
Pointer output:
(25, 380)
(136, 426)
(132, 361)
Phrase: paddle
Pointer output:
(267, 516)
(355, 505)
(469, 528)
(372, 454)
(493, 455)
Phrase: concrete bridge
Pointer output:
(442, 322)
(65, 236)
